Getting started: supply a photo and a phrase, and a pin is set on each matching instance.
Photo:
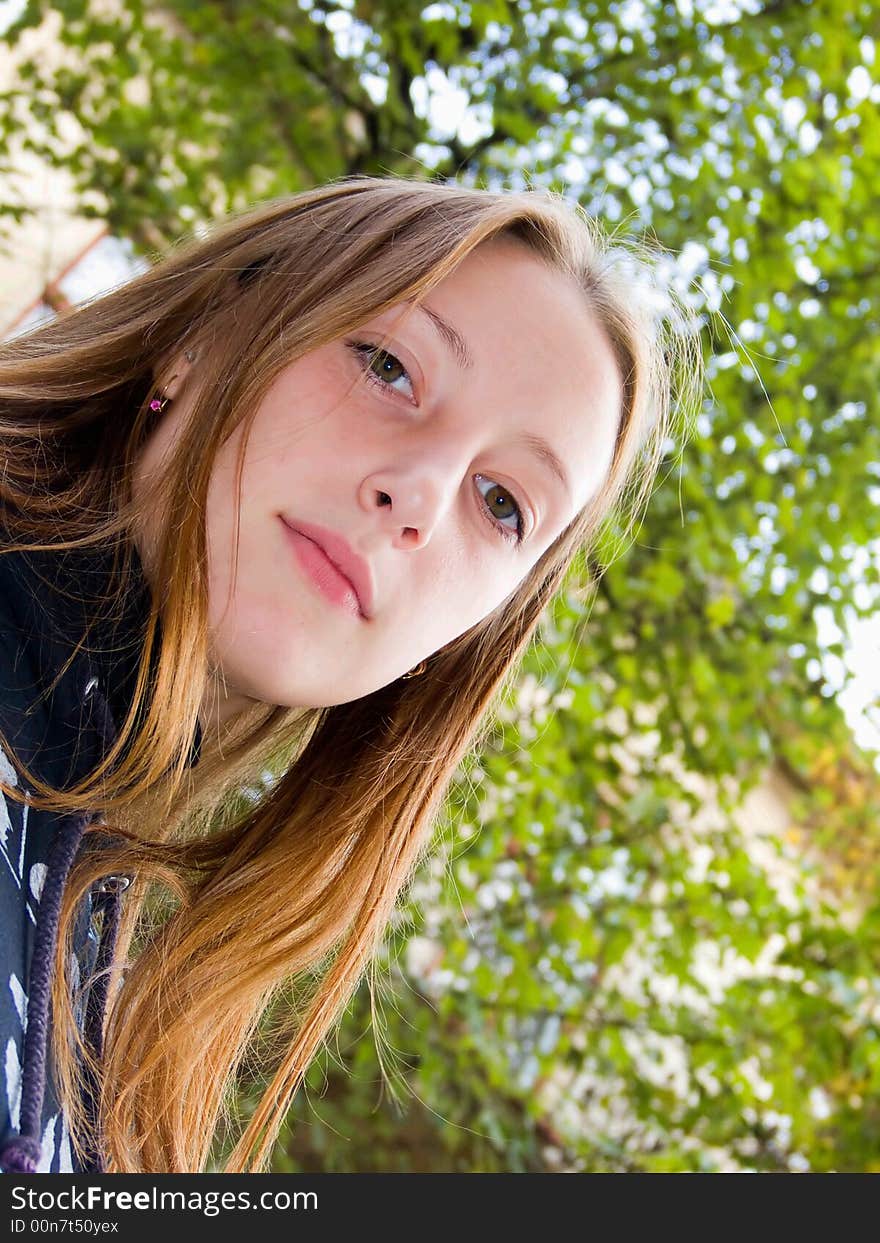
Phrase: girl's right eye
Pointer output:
(380, 367)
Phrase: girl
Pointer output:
(318, 474)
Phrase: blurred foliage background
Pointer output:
(648, 938)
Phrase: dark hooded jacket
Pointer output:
(48, 602)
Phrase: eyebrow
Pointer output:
(451, 336)
(543, 451)
(456, 342)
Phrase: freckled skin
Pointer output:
(319, 453)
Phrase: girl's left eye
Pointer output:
(370, 356)
(516, 532)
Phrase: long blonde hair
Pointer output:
(239, 904)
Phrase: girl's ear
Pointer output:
(177, 372)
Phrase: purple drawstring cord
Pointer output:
(21, 1153)
(108, 902)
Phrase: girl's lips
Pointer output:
(318, 567)
(347, 560)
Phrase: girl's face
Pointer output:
(426, 474)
